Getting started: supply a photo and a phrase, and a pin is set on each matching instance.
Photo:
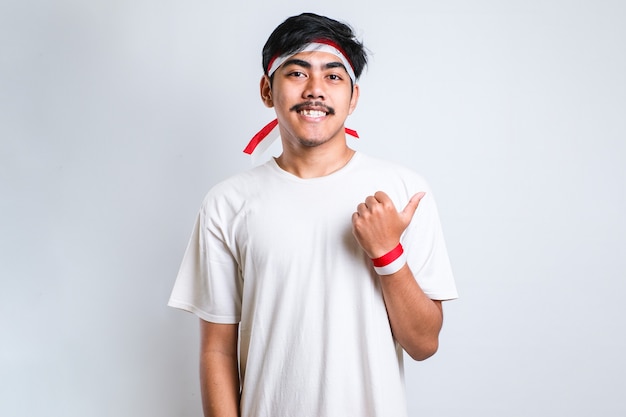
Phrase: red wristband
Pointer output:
(389, 257)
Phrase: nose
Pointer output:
(314, 88)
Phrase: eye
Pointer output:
(335, 77)
(296, 74)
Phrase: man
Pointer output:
(308, 280)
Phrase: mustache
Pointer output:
(316, 104)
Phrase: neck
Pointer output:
(314, 162)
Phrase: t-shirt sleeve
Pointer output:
(208, 283)
(426, 250)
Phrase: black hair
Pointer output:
(297, 31)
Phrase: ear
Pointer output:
(266, 91)
(355, 98)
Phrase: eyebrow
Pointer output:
(305, 64)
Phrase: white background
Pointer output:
(117, 116)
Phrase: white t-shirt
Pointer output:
(276, 254)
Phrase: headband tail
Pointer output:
(261, 134)
(352, 132)
(266, 136)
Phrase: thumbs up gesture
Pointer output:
(377, 225)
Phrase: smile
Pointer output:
(312, 113)
(311, 109)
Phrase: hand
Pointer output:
(377, 225)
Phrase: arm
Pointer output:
(415, 319)
(219, 369)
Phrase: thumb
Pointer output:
(408, 211)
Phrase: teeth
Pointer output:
(313, 113)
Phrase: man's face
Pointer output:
(312, 95)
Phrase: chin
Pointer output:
(313, 139)
(312, 143)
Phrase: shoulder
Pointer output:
(234, 191)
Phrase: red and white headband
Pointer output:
(270, 132)
(316, 46)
